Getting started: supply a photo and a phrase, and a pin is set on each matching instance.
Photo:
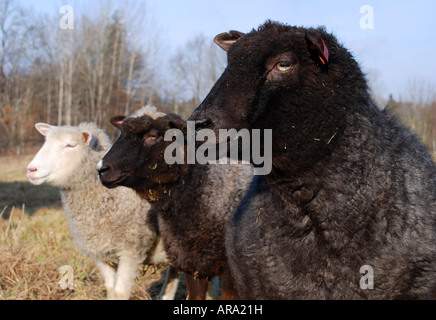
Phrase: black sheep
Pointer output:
(350, 185)
(194, 202)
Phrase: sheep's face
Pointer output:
(262, 65)
(136, 159)
(283, 78)
(60, 156)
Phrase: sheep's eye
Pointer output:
(149, 138)
(284, 66)
(70, 145)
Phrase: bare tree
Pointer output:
(417, 109)
(114, 64)
(16, 38)
(195, 69)
(143, 41)
(178, 73)
(377, 87)
(420, 92)
(107, 64)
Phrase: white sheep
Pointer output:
(114, 227)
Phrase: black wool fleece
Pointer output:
(350, 185)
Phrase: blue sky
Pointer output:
(400, 47)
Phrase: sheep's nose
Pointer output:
(31, 170)
(203, 124)
(103, 169)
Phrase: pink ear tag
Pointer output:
(325, 53)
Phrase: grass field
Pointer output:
(35, 243)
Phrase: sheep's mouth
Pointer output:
(36, 176)
(37, 180)
(113, 183)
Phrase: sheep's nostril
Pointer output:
(31, 170)
(103, 169)
(202, 124)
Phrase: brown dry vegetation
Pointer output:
(35, 243)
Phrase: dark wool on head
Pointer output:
(350, 185)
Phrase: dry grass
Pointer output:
(13, 168)
(35, 243)
(34, 248)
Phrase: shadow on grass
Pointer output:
(15, 194)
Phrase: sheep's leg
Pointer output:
(108, 274)
(125, 277)
(171, 282)
(197, 288)
(213, 288)
(229, 288)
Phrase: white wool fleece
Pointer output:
(114, 227)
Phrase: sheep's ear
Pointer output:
(317, 47)
(43, 128)
(87, 136)
(178, 124)
(90, 139)
(226, 39)
(117, 121)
